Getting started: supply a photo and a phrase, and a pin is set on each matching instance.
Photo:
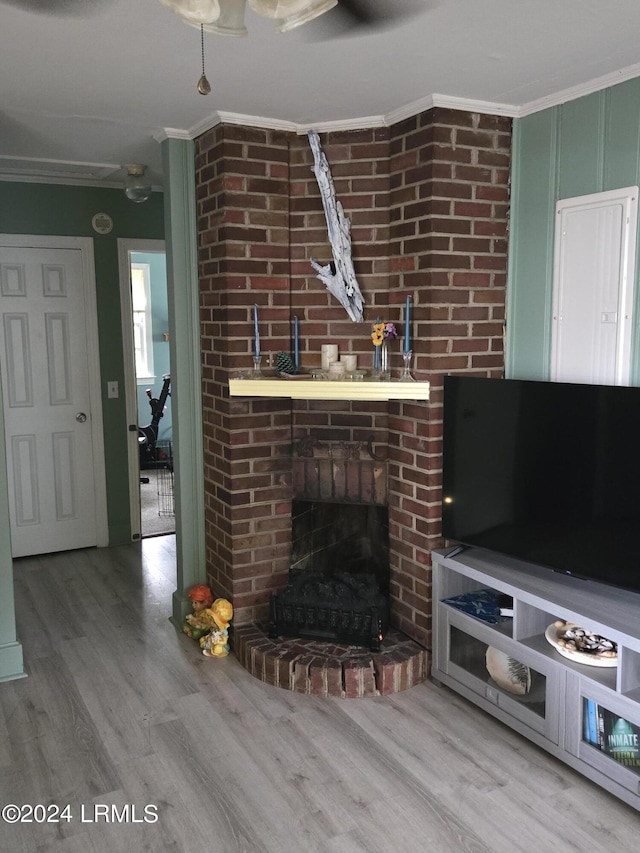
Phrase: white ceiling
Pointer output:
(94, 82)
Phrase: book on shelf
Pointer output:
(612, 734)
(482, 604)
(591, 732)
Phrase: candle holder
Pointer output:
(406, 370)
(256, 373)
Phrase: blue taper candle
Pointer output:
(256, 333)
(376, 352)
(296, 343)
(407, 323)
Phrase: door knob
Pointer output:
(81, 417)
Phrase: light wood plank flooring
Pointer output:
(119, 708)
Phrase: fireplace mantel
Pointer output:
(305, 389)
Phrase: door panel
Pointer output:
(593, 287)
(47, 400)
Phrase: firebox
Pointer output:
(339, 578)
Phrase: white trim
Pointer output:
(470, 106)
(257, 121)
(171, 133)
(13, 164)
(85, 245)
(125, 247)
(412, 109)
(34, 178)
(352, 124)
(358, 123)
(407, 110)
(588, 88)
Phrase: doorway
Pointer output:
(144, 303)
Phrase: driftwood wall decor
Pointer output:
(338, 276)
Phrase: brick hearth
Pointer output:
(328, 669)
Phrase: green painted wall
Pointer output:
(585, 146)
(48, 209)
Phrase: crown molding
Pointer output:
(257, 121)
(493, 108)
(575, 92)
(452, 103)
(358, 123)
(171, 133)
(361, 123)
(408, 110)
(67, 182)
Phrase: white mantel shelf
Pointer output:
(309, 389)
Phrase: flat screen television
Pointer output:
(546, 472)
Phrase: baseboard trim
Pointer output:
(11, 662)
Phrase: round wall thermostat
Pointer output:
(102, 223)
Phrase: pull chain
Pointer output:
(204, 87)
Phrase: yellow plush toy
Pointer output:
(216, 642)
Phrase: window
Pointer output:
(142, 326)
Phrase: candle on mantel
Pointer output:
(256, 333)
(376, 352)
(407, 323)
(296, 343)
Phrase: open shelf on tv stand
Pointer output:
(566, 707)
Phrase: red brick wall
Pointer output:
(243, 229)
(449, 176)
(359, 163)
(428, 203)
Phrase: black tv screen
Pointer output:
(545, 472)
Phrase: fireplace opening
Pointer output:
(339, 577)
(349, 537)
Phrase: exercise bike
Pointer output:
(151, 456)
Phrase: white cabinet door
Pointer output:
(593, 287)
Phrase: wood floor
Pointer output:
(120, 711)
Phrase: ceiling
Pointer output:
(89, 85)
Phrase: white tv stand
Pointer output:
(555, 712)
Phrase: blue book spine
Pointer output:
(591, 722)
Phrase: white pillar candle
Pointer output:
(336, 370)
(350, 362)
(328, 353)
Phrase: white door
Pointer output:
(56, 500)
(593, 287)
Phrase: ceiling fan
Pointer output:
(227, 17)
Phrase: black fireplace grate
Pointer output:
(343, 607)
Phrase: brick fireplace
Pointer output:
(428, 202)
